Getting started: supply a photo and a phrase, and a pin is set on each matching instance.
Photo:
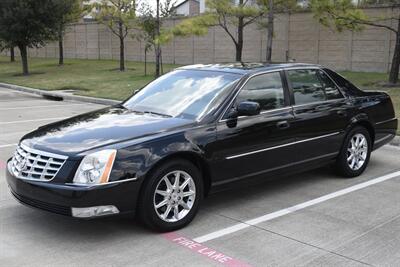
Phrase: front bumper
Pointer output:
(61, 198)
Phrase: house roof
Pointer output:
(183, 2)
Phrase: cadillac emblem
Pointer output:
(21, 165)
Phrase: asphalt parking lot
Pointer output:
(309, 219)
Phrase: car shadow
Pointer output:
(113, 228)
(258, 188)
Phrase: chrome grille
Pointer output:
(32, 164)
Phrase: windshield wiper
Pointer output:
(150, 112)
(157, 113)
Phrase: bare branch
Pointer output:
(126, 32)
(364, 22)
(252, 20)
(224, 26)
(114, 31)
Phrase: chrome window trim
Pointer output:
(337, 86)
(220, 119)
(319, 102)
(324, 101)
(262, 113)
(240, 89)
(303, 67)
(280, 146)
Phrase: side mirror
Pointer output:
(248, 108)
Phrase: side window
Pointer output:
(266, 89)
(312, 85)
(331, 90)
(343, 83)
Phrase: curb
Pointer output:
(395, 141)
(63, 96)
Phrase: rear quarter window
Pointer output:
(344, 84)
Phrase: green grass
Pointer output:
(101, 78)
(97, 78)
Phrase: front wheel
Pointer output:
(355, 153)
(171, 196)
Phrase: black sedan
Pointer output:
(196, 130)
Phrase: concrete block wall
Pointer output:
(297, 36)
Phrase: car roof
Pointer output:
(245, 68)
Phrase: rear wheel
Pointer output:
(171, 197)
(355, 153)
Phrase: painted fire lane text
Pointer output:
(3, 165)
(204, 250)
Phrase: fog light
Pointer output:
(94, 211)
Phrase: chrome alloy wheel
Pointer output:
(174, 196)
(357, 152)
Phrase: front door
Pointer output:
(251, 145)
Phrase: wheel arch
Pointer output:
(363, 120)
(193, 158)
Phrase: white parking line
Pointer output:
(280, 213)
(9, 145)
(47, 119)
(48, 106)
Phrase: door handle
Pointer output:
(283, 125)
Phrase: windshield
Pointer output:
(188, 94)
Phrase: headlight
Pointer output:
(95, 168)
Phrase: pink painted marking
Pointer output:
(204, 251)
(3, 165)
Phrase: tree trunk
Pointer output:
(161, 63)
(60, 48)
(394, 71)
(158, 52)
(158, 61)
(239, 44)
(145, 62)
(121, 48)
(121, 54)
(12, 54)
(24, 59)
(270, 30)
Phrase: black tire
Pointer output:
(146, 207)
(342, 166)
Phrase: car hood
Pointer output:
(97, 129)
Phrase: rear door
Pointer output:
(252, 145)
(321, 113)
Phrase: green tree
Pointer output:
(6, 46)
(273, 7)
(147, 30)
(12, 54)
(27, 24)
(151, 31)
(344, 15)
(158, 32)
(232, 17)
(361, 3)
(118, 16)
(68, 11)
